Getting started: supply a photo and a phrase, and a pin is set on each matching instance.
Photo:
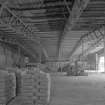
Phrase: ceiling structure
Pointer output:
(88, 17)
(51, 29)
(48, 16)
(39, 21)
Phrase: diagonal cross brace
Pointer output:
(14, 23)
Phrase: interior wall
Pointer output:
(9, 56)
(91, 61)
(101, 61)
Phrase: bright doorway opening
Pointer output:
(101, 64)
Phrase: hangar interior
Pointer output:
(62, 42)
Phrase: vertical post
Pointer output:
(40, 56)
(104, 49)
(1, 10)
(82, 47)
(61, 69)
(82, 52)
(76, 68)
(19, 55)
(5, 53)
(97, 62)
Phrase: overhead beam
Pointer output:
(65, 60)
(36, 17)
(91, 18)
(41, 15)
(87, 27)
(28, 20)
(33, 6)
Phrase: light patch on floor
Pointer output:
(84, 90)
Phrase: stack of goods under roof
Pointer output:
(28, 87)
(7, 87)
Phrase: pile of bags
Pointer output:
(7, 87)
(35, 88)
(29, 87)
(42, 87)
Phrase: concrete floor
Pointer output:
(84, 90)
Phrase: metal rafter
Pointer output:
(101, 33)
(34, 13)
(78, 7)
(91, 34)
(9, 19)
(65, 1)
(92, 46)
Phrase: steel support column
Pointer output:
(97, 61)
(104, 49)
